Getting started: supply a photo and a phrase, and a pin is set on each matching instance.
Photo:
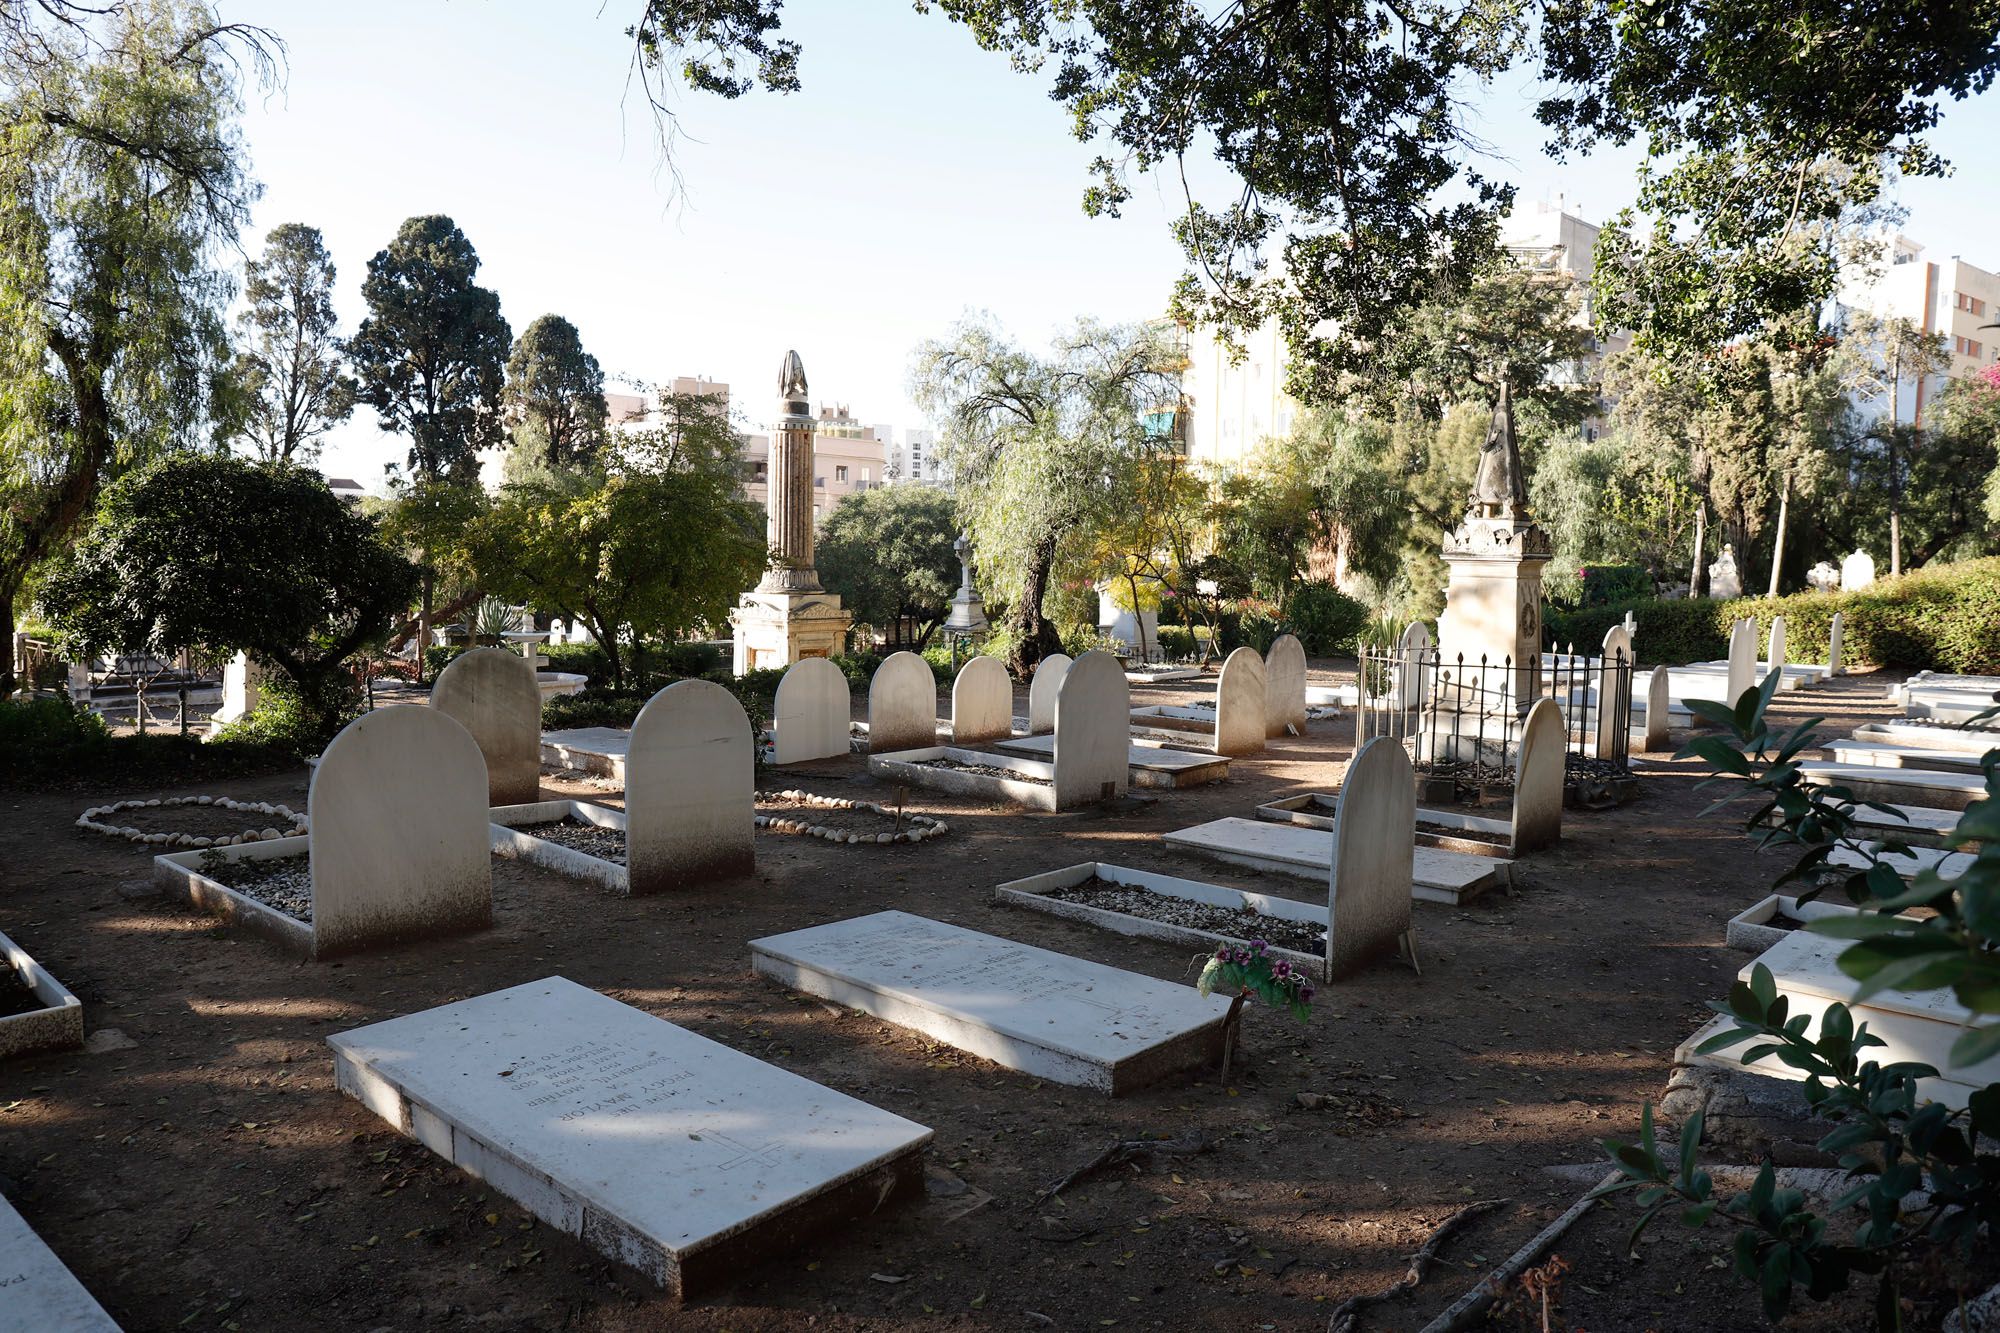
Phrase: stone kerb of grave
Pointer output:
(1776, 659)
(690, 789)
(1658, 703)
(982, 701)
(493, 694)
(1538, 780)
(922, 827)
(399, 838)
(1374, 855)
(902, 705)
(1742, 659)
(1239, 704)
(91, 821)
(1285, 687)
(1042, 692)
(811, 713)
(1093, 729)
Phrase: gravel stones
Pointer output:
(606, 844)
(284, 884)
(983, 770)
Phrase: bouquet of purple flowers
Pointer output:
(1252, 971)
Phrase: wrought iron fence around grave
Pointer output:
(1463, 718)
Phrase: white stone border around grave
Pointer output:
(922, 827)
(907, 767)
(1752, 928)
(507, 821)
(56, 1026)
(91, 821)
(180, 878)
(1482, 836)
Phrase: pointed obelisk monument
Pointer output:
(1493, 601)
(789, 616)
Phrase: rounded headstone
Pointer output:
(982, 701)
(1239, 704)
(811, 713)
(902, 705)
(1042, 692)
(1093, 731)
(690, 789)
(1285, 686)
(493, 694)
(1538, 779)
(1374, 858)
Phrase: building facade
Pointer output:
(1959, 302)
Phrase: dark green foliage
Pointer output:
(888, 553)
(594, 708)
(1325, 619)
(281, 721)
(688, 659)
(1604, 585)
(290, 368)
(555, 394)
(50, 739)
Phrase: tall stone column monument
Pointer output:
(1493, 601)
(789, 616)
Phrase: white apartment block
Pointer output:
(1948, 297)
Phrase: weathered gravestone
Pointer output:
(1538, 778)
(902, 705)
(1374, 850)
(1775, 661)
(811, 713)
(1614, 692)
(1857, 571)
(982, 701)
(1042, 692)
(1834, 632)
(1044, 1013)
(1285, 686)
(1412, 651)
(690, 789)
(1723, 580)
(1823, 577)
(399, 837)
(1658, 704)
(493, 694)
(656, 1147)
(1093, 731)
(1742, 659)
(1239, 704)
(242, 688)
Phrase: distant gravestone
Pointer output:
(1834, 633)
(493, 694)
(1042, 692)
(1776, 660)
(241, 689)
(1658, 703)
(1614, 691)
(1823, 577)
(1374, 854)
(982, 701)
(1538, 780)
(690, 789)
(1239, 704)
(1723, 580)
(1285, 686)
(1412, 648)
(1093, 731)
(811, 713)
(1857, 571)
(399, 836)
(902, 705)
(1742, 658)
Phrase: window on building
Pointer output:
(1968, 347)
(820, 482)
(1971, 304)
(867, 475)
(840, 474)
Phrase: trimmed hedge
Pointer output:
(43, 739)
(1945, 618)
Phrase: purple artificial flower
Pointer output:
(1281, 968)
(1306, 993)
(1256, 946)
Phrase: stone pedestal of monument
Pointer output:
(776, 629)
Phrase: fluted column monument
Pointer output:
(788, 615)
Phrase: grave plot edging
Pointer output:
(180, 878)
(508, 841)
(906, 766)
(56, 1026)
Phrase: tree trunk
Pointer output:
(7, 681)
(1778, 547)
(1138, 615)
(1698, 575)
(424, 619)
(1037, 638)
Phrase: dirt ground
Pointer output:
(200, 1172)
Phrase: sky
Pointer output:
(914, 181)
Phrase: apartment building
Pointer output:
(847, 459)
(1958, 301)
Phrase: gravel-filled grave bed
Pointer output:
(1235, 922)
(283, 884)
(837, 819)
(984, 771)
(606, 844)
(16, 996)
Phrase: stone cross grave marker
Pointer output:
(1239, 704)
(902, 705)
(1093, 731)
(690, 789)
(811, 713)
(1285, 686)
(399, 838)
(1042, 692)
(982, 702)
(493, 694)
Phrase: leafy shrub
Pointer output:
(580, 659)
(756, 690)
(688, 659)
(1603, 585)
(1177, 643)
(593, 708)
(1687, 629)
(1081, 639)
(282, 721)
(439, 656)
(1256, 628)
(1327, 620)
(37, 732)
(859, 668)
(44, 739)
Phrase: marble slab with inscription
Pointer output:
(37, 1293)
(657, 1147)
(1065, 1019)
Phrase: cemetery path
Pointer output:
(208, 1175)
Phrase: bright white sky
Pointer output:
(915, 178)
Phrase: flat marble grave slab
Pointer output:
(658, 1148)
(596, 750)
(1439, 876)
(1875, 753)
(1065, 1019)
(1152, 765)
(37, 1293)
(1911, 786)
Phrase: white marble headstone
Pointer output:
(1742, 659)
(1093, 731)
(1412, 648)
(1823, 577)
(242, 682)
(1374, 853)
(1239, 704)
(493, 694)
(1538, 779)
(399, 841)
(1857, 571)
(1658, 702)
(902, 705)
(1775, 661)
(811, 712)
(1285, 686)
(658, 1148)
(690, 789)
(1615, 674)
(1723, 579)
(1834, 632)
(1042, 692)
(982, 701)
